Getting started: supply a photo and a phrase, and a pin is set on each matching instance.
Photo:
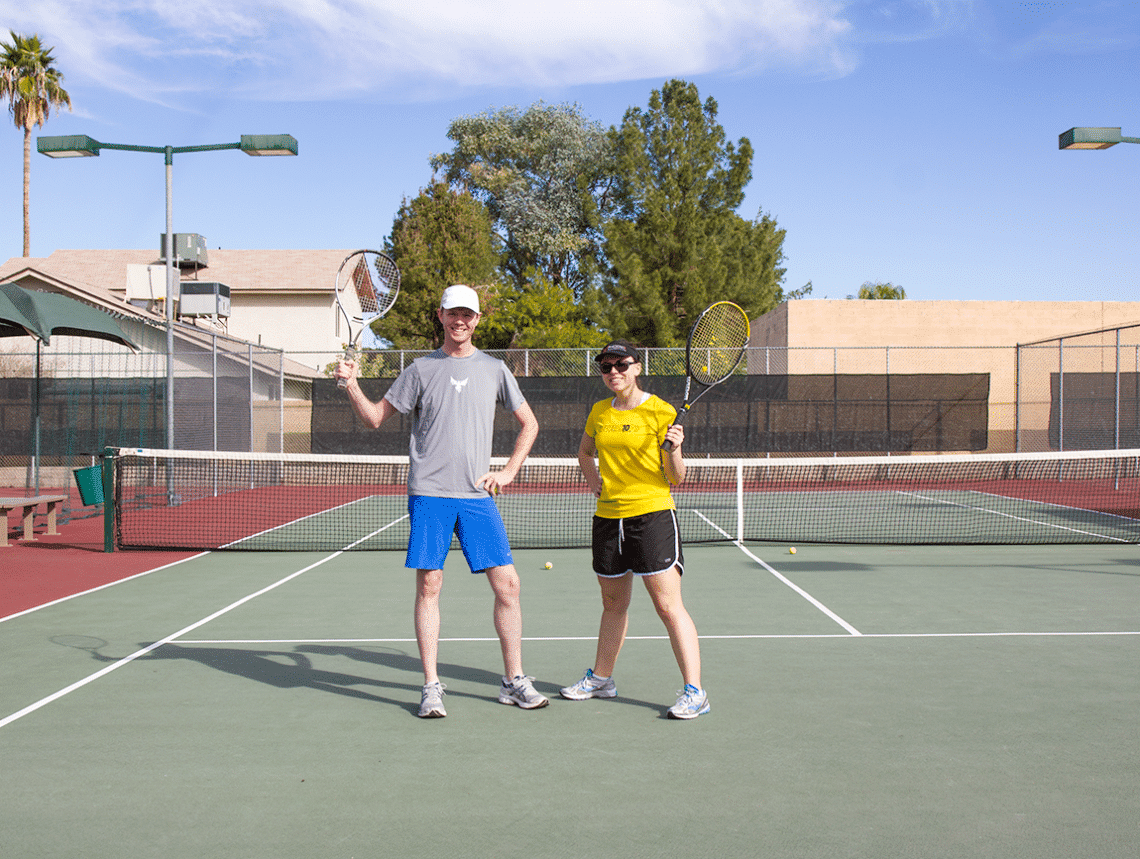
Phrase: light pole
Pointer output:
(80, 146)
(1098, 138)
(1092, 138)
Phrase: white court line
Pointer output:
(79, 684)
(262, 642)
(101, 587)
(316, 514)
(850, 629)
(993, 512)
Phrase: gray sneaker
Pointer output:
(590, 687)
(431, 704)
(692, 703)
(521, 691)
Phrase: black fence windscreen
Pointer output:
(1094, 411)
(871, 413)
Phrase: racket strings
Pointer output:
(717, 342)
(375, 280)
(365, 289)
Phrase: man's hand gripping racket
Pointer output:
(367, 284)
(716, 345)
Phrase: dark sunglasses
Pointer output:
(622, 366)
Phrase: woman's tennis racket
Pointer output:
(367, 284)
(716, 345)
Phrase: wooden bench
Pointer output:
(29, 506)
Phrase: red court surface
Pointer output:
(53, 567)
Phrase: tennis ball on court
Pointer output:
(548, 565)
(792, 550)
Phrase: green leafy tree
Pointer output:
(31, 84)
(546, 177)
(441, 237)
(886, 291)
(543, 315)
(677, 243)
(796, 294)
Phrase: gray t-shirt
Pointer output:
(452, 402)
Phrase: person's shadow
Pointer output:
(291, 669)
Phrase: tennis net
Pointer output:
(321, 503)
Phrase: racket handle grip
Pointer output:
(349, 355)
(667, 446)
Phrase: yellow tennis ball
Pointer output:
(548, 565)
(792, 550)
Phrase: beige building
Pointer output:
(915, 337)
(861, 323)
(278, 299)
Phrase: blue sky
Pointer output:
(910, 142)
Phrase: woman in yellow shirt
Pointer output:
(635, 525)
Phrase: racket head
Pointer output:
(717, 342)
(367, 284)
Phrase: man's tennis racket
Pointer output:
(716, 345)
(367, 284)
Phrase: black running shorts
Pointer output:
(643, 545)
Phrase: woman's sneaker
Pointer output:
(431, 702)
(692, 703)
(590, 687)
(521, 691)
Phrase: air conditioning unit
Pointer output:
(189, 250)
(204, 298)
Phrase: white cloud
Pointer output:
(327, 49)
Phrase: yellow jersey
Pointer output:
(629, 457)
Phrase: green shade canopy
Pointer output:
(13, 321)
(41, 314)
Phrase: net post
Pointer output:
(107, 472)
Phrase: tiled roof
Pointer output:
(241, 270)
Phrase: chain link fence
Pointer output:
(1072, 393)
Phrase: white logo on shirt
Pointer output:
(458, 385)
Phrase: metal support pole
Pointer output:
(1017, 400)
(214, 375)
(168, 245)
(249, 355)
(1116, 408)
(281, 401)
(1061, 394)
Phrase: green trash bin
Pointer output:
(90, 483)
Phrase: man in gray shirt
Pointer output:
(452, 394)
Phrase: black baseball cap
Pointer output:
(620, 349)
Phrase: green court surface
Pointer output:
(866, 702)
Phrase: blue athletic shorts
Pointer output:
(477, 523)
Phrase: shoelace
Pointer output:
(688, 699)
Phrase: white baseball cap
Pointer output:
(460, 296)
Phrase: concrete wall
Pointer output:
(861, 336)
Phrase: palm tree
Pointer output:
(32, 86)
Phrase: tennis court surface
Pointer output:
(867, 701)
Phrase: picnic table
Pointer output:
(28, 505)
